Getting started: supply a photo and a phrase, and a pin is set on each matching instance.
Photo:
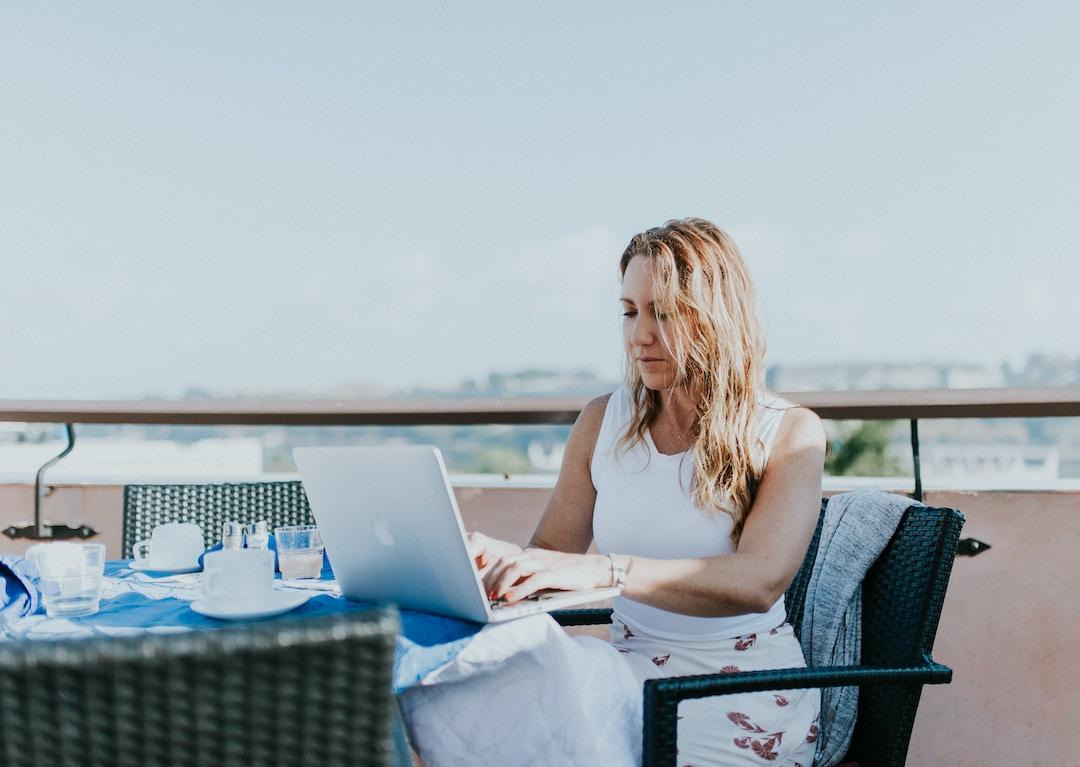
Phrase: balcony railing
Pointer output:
(855, 405)
(911, 405)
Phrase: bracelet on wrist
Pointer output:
(618, 572)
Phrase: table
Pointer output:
(136, 602)
(431, 652)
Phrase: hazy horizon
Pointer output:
(262, 197)
(481, 382)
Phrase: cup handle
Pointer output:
(141, 550)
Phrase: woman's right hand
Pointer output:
(486, 551)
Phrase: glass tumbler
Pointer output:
(299, 550)
(70, 576)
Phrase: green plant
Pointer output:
(862, 450)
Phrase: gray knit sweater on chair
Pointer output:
(856, 529)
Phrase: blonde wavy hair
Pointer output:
(701, 283)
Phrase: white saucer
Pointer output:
(144, 567)
(278, 602)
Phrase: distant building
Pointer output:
(975, 377)
(17, 433)
(883, 375)
(541, 382)
(1043, 370)
(544, 459)
(1008, 464)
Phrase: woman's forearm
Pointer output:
(712, 587)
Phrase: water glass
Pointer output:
(299, 550)
(70, 576)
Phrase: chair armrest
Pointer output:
(684, 687)
(590, 616)
(662, 696)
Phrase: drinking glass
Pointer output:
(299, 550)
(70, 576)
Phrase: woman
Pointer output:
(701, 493)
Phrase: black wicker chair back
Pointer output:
(146, 506)
(294, 691)
(902, 598)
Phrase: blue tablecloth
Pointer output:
(134, 602)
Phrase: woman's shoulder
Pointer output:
(592, 415)
(799, 426)
(587, 427)
(785, 424)
(598, 404)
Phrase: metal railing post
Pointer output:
(39, 530)
(918, 494)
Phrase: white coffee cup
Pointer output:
(172, 546)
(238, 575)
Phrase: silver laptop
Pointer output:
(393, 533)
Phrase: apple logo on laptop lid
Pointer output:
(382, 531)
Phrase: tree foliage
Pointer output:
(863, 450)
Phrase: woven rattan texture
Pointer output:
(146, 506)
(293, 692)
(902, 598)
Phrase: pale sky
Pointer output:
(262, 196)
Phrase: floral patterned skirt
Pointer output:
(755, 728)
(527, 693)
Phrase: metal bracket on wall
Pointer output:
(970, 547)
(39, 530)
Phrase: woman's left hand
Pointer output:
(517, 576)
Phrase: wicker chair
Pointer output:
(299, 691)
(146, 506)
(902, 597)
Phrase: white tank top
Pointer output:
(644, 507)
